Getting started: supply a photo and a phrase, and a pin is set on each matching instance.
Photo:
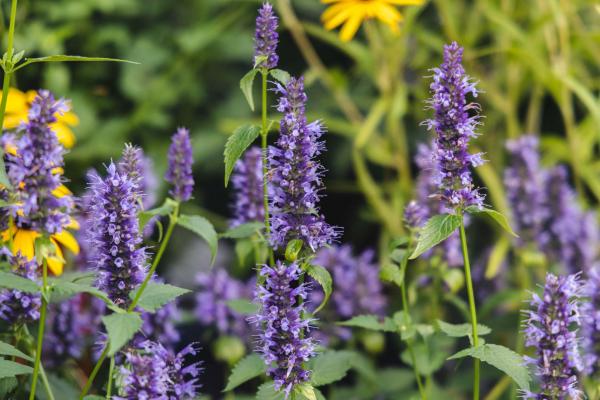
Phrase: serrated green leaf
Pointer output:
(243, 306)
(203, 228)
(502, 358)
(236, 144)
(7, 385)
(165, 209)
(246, 87)
(9, 350)
(305, 391)
(495, 216)
(462, 330)
(120, 329)
(65, 288)
(248, 368)
(280, 75)
(323, 277)
(157, 294)
(12, 281)
(66, 58)
(437, 229)
(10, 368)
(330, 367)
(243, 231)
(373, 322)
(4, 181)
(267, 391)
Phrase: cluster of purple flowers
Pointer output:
(590, 324)
(296, 174)
(35, 169)
(153, 372)
(139, 168)
(454, 128)
(117, 254)
(247, 179)
(180, 158)
(266, 38)
(282, 340)
(17, 307)
(551, 328)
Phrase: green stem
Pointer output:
(465, 251)
(9, 53)
(46, 383)
(40, 334)
(264, 134)
(172, 222)
(110, 378)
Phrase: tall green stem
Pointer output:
(465, 251)
(40, 333)
(9, 53)
(265, 170)
(172, 222)
(111, 372)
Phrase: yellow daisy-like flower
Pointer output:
(17, 109)
(352, 13)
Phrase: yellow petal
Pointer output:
(350, 27)
(404, 2)
(61, 191)
(10, 148)
(56, 264)
(30, 95)
(69, 118)
(73, 224)
(66, 239)
(334, 19)
(65, 135)
(13, 120)
(58, 171)
(17, 102)
(23, 242)
(389, 15)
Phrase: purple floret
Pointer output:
(247, 180)
(266, 38)
(179, 172)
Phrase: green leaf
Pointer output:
(330, 367)
(267, 391)
(502, 358)
(391, 273)
(461, 330)
(157, 294)
(203, 228)
(246, 86)
(373, 322)
(12, 281)
(94, 397)
(323, 277)
(429, 357)
(280, 75)
(248, 368)
(437, 229)
(495, 216)
(305, 391)
(405, 325)
(66, 289)
(65, 58)
(7, 385)
(243, 231)
(3, 176)
(120, 329)
(293, 249)
(243, 306)
(10, 368)
(236, 144)
(165, 209)
(9, 350)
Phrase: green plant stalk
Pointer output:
(9, 53)
(111, 372)
(40, 334)
(172, 222)
(46, 383)
(465, 251)
(264, 133)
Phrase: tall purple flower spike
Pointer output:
(296, 174)
(33, 170)
(247, 179)
(590, 326)
(283, 341)
(454, 128)
(524, 182)
(551, 328)
(266, 38)
(139, 168)
(179, 172)
(18, 307)
(117, 252)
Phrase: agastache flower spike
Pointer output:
(247, 179)
(35, 169)
(283, 342)
(266, 38)
(117, 254)
(139, 168)
(590, 331)
(296, 174)
(551, 328)
(454, 128)
(16, 306)
(180, 158)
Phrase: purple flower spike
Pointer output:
(135, 164)
(414, 215)
(179, 173)
(297, 175)
(283, 341)
(590, 332)
(454, 128)
(117, 254)
(247, 182)
(266, 38)
(551, 328)
(524, 183)
(18, 307)
(34, 170)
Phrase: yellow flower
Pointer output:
(17, 109)
(352, 13)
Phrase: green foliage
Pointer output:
(203, 228)
(65, 58)
(9, 350)
(246, 87)
(165, 209)
(436, 230)
(494, 216)
(243, 231)
(323, 277)
(3, 177)
(293, 249)
(460, 330)
(156, 295)
(11, 281)
(330, 366)
(242, 306)
(248, 368)
(373, 322)
(280, 75)
(65, 288)
(120, 328)
(10, 368)
(236, 144)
